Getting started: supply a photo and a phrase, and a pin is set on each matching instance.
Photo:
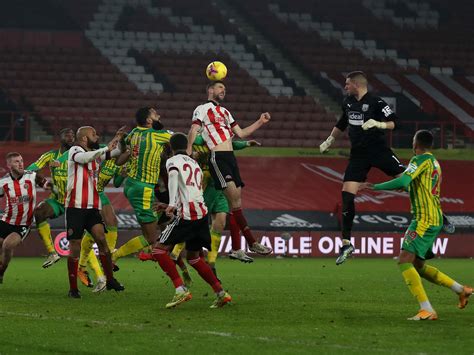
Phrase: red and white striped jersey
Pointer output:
(82, 181)
(20, 198)
(189, 199)
(216, 122)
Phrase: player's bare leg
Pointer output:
(42, 213)
(8, 244)
(349, 191)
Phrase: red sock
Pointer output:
(234, 232)
(72, 264)
(206, 273)
(106, 261)
(180, 263)
(243, 225)
(167, 265)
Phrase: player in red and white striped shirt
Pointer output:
(217, 128)
(83, 203)
(190, 224)
(19, 189)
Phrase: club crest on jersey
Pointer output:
(365, 107)
(26, 186)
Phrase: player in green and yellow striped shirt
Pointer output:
(422, 179)
(145, 142)
(53, 206)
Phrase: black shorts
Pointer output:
(195, 233)
(360, 164)
(80, 219)
(7, 229)
(223, 168)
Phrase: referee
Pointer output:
(367, 117)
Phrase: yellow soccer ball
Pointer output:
(216, 71)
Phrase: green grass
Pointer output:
(280, 306)
(442, 154)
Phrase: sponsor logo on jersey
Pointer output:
(355, 118)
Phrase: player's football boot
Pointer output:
(114, 285)
(464, 296)
(221, 301)
(260, 249)
(344, 253)
(51, 259)
(74, 294)
(145, 256)
(179, 297)
(424, 315)
(101, 284)
(83, 275)
(188, 281)
(240, 255)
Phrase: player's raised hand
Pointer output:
(54, 164)
(253, 143)
(265, 117)
(366, 186)
(121, 132)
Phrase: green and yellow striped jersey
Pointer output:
(146, 146)
(107, 172)
(424, 189)
(58, 175)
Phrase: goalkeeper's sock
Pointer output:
(413, 281)
(132, 246)
(435, 276)
(44, 230)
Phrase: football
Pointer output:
(216, 71)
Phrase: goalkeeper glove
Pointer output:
(326, 144)
(373, 123)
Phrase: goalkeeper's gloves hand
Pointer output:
(326, 144)
(373, 123)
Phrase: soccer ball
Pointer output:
(216, 71)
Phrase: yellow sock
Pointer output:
(215, 243)
(178, 248)
(435, 276)
(86, 248)
(413, 281)
(94, 264)
(44, 230)
(111, 237)
(132, 246)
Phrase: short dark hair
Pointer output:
(424, 139)
(179, 141)
(12, 155)
(65, 130)
(142, 114)
(212, 83)
(355, 74)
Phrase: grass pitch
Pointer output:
(279, 306)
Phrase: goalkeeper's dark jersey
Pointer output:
(355, 113)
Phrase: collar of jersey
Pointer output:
(213, 102)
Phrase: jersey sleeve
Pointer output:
(198, 116)
(416, 166)
(171, 165)
(230, 119)
(384, 112)
(343, 121)
(42, 161)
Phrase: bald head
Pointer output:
(87, 137)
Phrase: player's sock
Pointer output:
(215, 243)
(111, 237)
(44, 230)
(106, 261)
(168, 266)
(435, 276)
(86, 247)
(206, 273)
(181, 264)
(72, 264)
(413, 281)
(243, 225)
(132, 246)
(176, 252)
(94, 265)
(234, 232)
(348, 213)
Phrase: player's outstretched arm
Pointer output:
(247, 131)
(401, 182)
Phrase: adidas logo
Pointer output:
(287, 220)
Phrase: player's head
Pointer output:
(356, 82)
(67, 137)
(216, 91)
(148, 117)
(423, 140)
(87, 137)
(178, 142)
(15, 163)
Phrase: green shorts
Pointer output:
(419, 239)
(104, 199)
(215, 200)
(141, 197)
(58, 207)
